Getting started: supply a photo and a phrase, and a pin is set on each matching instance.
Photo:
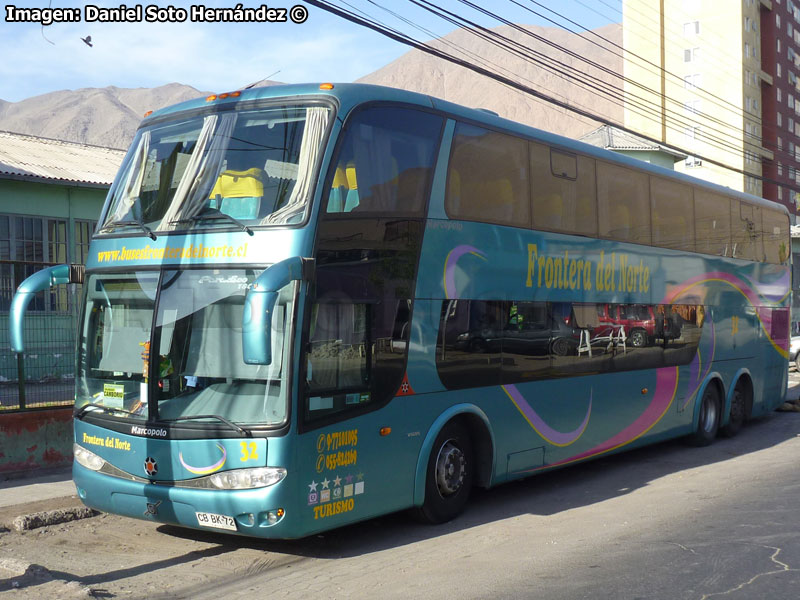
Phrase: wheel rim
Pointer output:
(451, 466)
(638, 339)
(709, 414)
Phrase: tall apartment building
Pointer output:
(780, 55)
(719, 80)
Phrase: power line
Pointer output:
(640, 103)
(410, 41)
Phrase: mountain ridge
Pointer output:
(109, 116)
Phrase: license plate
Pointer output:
(218, 521)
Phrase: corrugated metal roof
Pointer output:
(27, 156)
(612, 138)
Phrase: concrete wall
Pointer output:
(35, 440)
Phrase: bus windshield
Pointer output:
(231, 168)
(198, 367)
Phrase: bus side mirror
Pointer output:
(41, 280)
(260, 302)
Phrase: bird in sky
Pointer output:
(87, 40)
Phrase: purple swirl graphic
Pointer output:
(557, 438)
(450, 263)
(775, 291)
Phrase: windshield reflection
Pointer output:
(253, 166)
(198, 367)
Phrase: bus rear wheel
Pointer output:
(449, 475)
(708, 422)
(738, 412)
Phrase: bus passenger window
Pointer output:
(622, 206)
(385, 163)
(672, 207)
(562, 191)
(746, 232)
(712, 214)
(468, 350)
(776, 232)
(488, 177)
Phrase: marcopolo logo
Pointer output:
(148, 431)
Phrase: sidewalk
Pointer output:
(33, 489)
(37, 501)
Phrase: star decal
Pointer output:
(313, 486)
(325, 483)
(338, 481)
(349, 479)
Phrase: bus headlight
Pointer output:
(246, 479)
(87, 458)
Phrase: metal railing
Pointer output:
(44, 375)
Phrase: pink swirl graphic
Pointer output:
(666, 388)
(204, 470)
(557, 438)
(450, 263)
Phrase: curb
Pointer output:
(52, 517)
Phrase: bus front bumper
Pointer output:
(260, 512)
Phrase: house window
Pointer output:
(691, 28)
(692, 162)
(693, 106)
(694, 81)
(83, 233)
(30, 244)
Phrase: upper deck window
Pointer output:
(251, 166)
(488, 177)
(385, 163)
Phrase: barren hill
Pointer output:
(420, 72)
(109, 116)
(101, 116)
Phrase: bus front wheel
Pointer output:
(449, 475)
(708, 421)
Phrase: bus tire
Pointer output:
(708, 420)
(449, 475)
(738, 412)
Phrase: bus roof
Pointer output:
(349, 95)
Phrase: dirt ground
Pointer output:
(663, 522)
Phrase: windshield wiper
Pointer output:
(138, 222)
(85, 408)
(231, 424)
(213, 213)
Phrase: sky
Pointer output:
(217, 57)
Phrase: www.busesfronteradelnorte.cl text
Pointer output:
(171, 253)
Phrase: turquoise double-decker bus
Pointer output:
(306, 306)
